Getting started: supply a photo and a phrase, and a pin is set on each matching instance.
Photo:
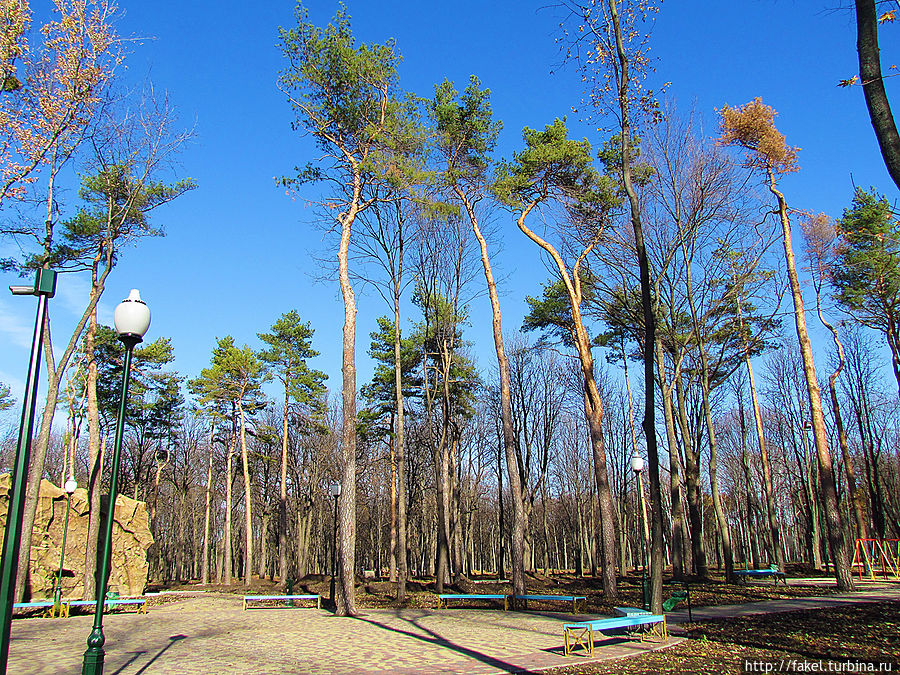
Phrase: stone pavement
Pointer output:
(211, 634)
(867, 591)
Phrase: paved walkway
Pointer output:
(868, 592)
(211, 634)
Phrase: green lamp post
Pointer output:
(44, 288)
(132, 319)
(637, 465)
(335, 490)
(69, 488)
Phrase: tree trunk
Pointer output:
(837, 540)
(692, 480)
(346, 587)
(400, 447)
(509, 439)
(674, 468)
(248, 516)
(204, 580)
(282, 497)
(95, 452)
(649, 315)
(228, 563)
(873, 87)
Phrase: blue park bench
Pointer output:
(574, 599)
(139, 603)
(444, 597)
(288, 599)
(65, 605)
(47, 605)
(772, 571)
(581, 634)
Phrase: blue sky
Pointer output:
(239, 252)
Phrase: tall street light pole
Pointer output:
(44, 288)
(69, 487)
(637, 465)
(132, 319)
(335, 490)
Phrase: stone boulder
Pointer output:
(131, 540)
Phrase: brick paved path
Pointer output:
(211, 634)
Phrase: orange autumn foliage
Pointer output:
(752, 127)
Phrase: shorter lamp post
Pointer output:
(637, 465)
(335, 491)
(132, 319)
(44, 288)
(69, 487)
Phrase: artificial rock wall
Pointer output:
(131, 539)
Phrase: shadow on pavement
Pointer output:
(172, 640)
(440, 641)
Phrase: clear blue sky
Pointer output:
(238, 252)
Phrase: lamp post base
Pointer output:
(93, 657)
(93, 661)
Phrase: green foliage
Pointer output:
(117, 208)
(6, 400)
(290, 345)
(347, 97)
(155, 403)
(552, 166)
(235, 377)
(867, 273)
(465, 133)
(553, 311)
(380, 392)
(439, 337)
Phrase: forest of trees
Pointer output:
(682, 287)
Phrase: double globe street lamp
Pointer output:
(132, 319)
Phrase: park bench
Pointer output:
(574, 599)
(582, 633)
(444, 597)
(772, 571)
(139, 603)
(287, 599)
(46, 604)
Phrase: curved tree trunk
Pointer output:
(836, 539)
(873, 87)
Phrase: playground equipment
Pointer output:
(872, 554)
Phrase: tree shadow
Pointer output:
(434, 638)
(172, 640)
